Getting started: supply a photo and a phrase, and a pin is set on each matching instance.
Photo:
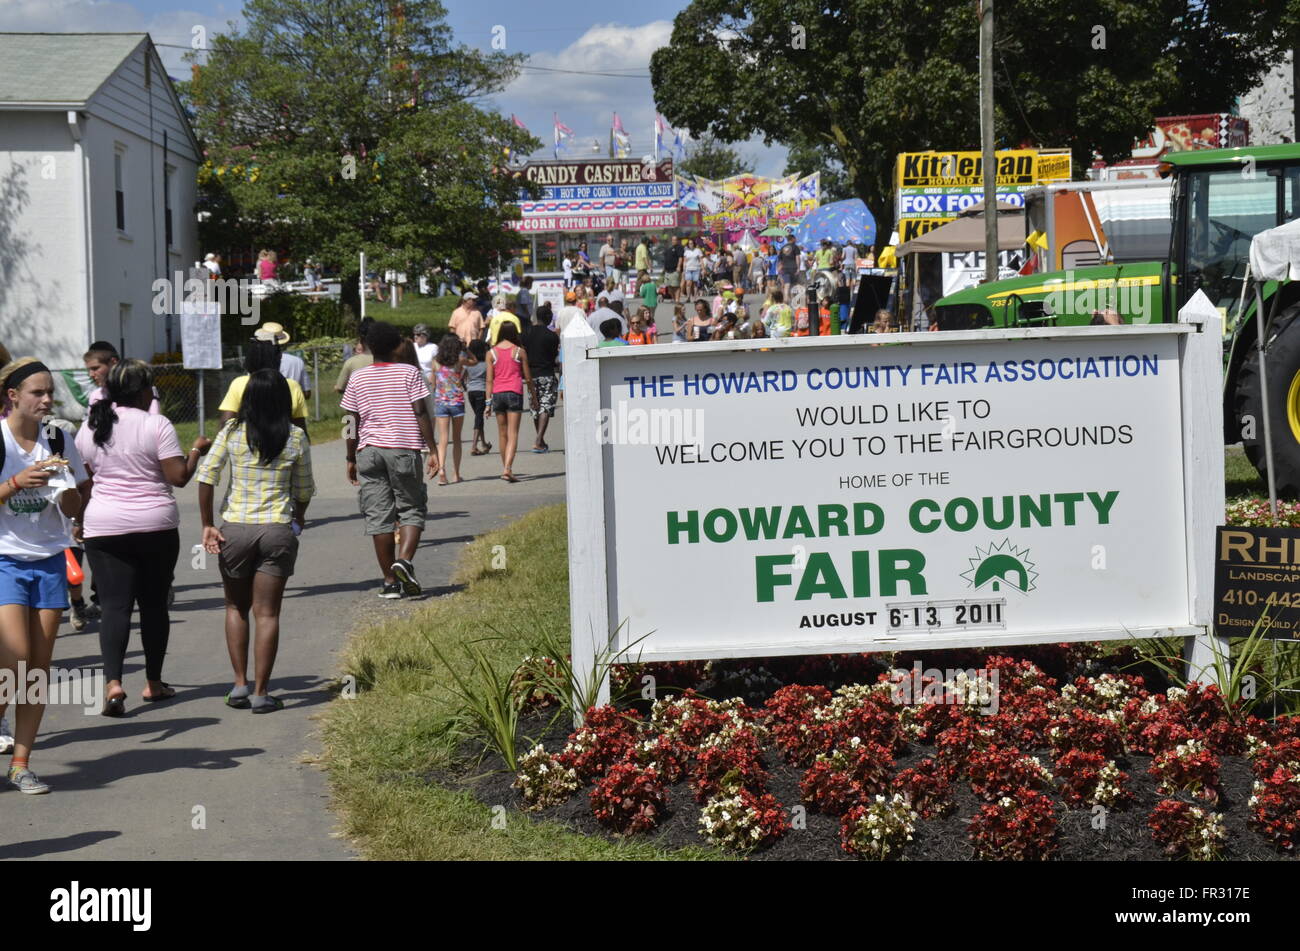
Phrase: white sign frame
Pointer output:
(593, 630)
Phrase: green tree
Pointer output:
(706, 157)
(867, 79)
(337, 126)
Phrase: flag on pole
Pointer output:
(659, 135)
(620, 146)
(679, 145)
(511, 155)
(562, 134)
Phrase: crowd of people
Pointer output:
(103, 493)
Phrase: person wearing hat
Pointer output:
(261, 354)
(568, 313)
(291, 367)
(213, 263)
(467, 321)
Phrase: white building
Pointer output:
(97, 194)
(1270, 106)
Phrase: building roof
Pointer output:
(60, 68)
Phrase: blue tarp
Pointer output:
(840, 221)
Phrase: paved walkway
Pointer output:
(132, 788)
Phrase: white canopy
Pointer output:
(1275, 253)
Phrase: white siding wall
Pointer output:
(42, 285)
(128, 262)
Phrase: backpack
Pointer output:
(53, 435)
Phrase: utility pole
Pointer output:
(986, 142)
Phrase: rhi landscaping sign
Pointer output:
(980, 488)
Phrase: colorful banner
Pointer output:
(933, 188)
(749, 202)
(586, 195)
(617, 222)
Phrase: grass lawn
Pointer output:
(1240, 477)
(380, 746)
(414, 309)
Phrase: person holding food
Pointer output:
(40, 495)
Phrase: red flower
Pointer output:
(629, 799)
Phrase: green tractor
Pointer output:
(1221, 199)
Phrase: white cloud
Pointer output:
(587, 103)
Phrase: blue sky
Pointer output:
(613, 36)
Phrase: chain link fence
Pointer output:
(189, 398)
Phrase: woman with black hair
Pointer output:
(507, 376)
(263, 514)
(262, 355)
(131, 523)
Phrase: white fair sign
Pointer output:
(981, 488)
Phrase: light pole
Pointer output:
(986, 142)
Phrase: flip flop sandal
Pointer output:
(115, 707)
(168, 692)
(272, 704)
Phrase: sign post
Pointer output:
(983, 488)
(201, 345)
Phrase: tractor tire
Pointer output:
(1283, 404)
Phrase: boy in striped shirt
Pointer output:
(388, 426)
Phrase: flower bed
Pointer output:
(1106, 766)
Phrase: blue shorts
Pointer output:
(448, 409)
(37, 584)
(693, 276)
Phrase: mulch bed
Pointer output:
(1126, 835)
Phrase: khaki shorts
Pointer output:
(272, 549)
(392, 488)
(673, 279)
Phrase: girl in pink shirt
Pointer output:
(507, 374)
(130, 522)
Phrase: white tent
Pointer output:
(1275, 253)
(747, 240)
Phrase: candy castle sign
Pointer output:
(991, 487)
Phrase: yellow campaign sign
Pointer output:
(964, 169)
(910, 228)
(1053, 168)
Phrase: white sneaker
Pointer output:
(6, 738)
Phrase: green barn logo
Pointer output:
(1001, 566)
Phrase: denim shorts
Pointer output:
(507, 402)
(36, 584)
(693, 276)
(448, 409)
